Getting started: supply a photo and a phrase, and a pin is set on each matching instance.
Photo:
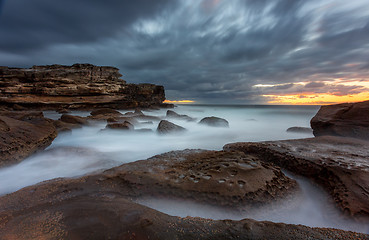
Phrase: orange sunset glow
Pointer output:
(179, 101)
(315, 99)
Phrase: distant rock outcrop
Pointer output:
(346, 120)
(80, 86)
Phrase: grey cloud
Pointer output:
(315, 85)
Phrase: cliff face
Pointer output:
(76, 86)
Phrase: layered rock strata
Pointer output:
(340, 165)
(74, 87)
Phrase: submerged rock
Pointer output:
(166, 127)
(346, 120)
(300, 130)
(214, 122)
(120, 125)
(340, 165)
(65, 127)
(105, 111)
(73, 119)
(143, 130)
(23, 135)
(173, 114)
(147, 118)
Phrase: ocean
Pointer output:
(89, 149)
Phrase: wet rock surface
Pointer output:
(214, 122)
(347, 120)
(78, 86)
(221, 178)
(99, 207)
(340, 165)
(166, 127)
(22, 134)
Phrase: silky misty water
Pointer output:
(89, 149)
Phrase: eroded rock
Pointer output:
(340, 165)
(222, 178)
(99, 207)
(23, 135)
(346, 120)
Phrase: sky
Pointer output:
(205, 51)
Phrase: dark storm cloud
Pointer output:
(29, 25)
(314, 88)
(1, 5)
(210, 50)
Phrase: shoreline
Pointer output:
(42, 184)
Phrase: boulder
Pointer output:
(300, 130)
(166, 127)
(80, 86)
(340, 165)
(173, 114)
(214, 122)
(23, 135)
(346, 120)
(120, 125)
(73, 119)
(64, 126)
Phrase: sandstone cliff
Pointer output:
(76, 86)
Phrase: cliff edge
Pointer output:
(80, 86)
